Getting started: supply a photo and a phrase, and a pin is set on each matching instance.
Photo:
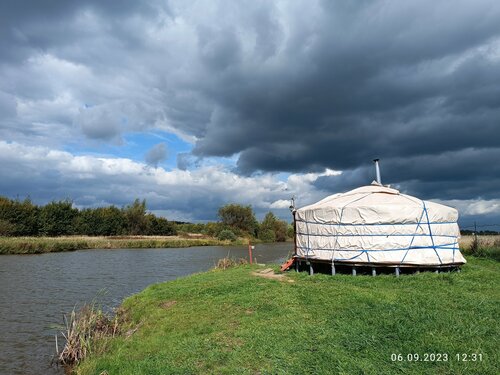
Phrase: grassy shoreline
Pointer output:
(39, 245)
(232, 321)
(489, 245)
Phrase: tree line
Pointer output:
(60, 218)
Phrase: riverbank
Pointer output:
(38, 245)
(235, 322)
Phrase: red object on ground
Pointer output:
(287, 264)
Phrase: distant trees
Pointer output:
(101, 221)
(57, 218)
(159, 226)
(239, 218)
(23, 218)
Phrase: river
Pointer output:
(37, 289)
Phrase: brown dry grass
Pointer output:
(36, 245)
(485, 240)
(485, 246)
(84, 331)
(227, 262)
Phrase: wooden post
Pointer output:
(250, 251)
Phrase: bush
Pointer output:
(267, 235)
(7, 228)
(226, 234)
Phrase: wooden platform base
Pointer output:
(326, 267)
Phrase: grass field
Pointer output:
(37, 245)
(227, 322)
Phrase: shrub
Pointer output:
(267, 235)
(226, 234)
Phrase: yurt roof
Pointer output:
(379, 196)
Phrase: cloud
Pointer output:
(297, 87)
(464, 174)
(46, 174)
(156, 154)
(195, 195)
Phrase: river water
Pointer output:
(37, 289)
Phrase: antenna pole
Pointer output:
(377, 171)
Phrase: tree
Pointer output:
(272, 229)
(135, 215)
(101, 221)
(239, 218)
(159, 226)
(18, 218)
(280, 229)
(57, 218)
(266, 230)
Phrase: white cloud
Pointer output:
(186, 194)
(472, 207)
(280, 204)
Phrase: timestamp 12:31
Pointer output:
(436, 357)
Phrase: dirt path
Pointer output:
(268, 273)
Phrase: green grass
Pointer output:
(37, 245)
(231, 322)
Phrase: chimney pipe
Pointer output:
(377, 170)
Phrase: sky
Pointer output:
(195, 104)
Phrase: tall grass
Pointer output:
(481, 246)
(227, 262)
(84, 333)
(37, 245)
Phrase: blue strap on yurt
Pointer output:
(308, 242)
(430, 233)
(338, 227)
(448, 246)
(377, 224)
(413, 237)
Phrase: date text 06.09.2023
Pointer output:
(436, 357)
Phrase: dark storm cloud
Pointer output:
(468, 174)
(27, 25)
(410, 84)
(285, 86)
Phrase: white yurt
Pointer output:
(377, 226)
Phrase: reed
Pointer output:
(85, 333)
(37, 245)
(228, 262)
